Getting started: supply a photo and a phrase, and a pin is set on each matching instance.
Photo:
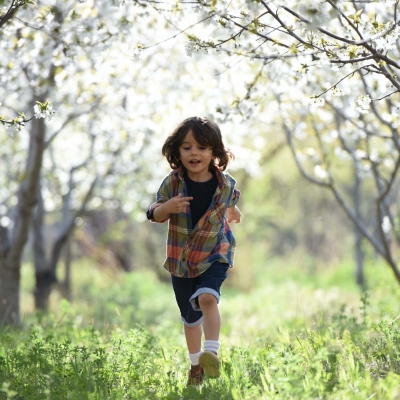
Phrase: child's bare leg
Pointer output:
(193, 338)
(211, 318)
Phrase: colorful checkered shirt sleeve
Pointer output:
(164, 193)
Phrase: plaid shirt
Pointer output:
(191, 251)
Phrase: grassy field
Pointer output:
(293, 335)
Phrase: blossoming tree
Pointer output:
(79, 64)
(69, 53)
(331, 69)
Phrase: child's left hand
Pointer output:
(233, 214)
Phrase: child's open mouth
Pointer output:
(194, 162)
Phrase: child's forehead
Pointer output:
(190, 138)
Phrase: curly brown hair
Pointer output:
(206, 133)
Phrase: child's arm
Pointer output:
(174, 205)
(233, 214)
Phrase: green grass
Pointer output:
(294, 335)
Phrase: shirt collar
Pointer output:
(220, 176)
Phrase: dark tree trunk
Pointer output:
(66, 284)
(358, 236)
(44, 282)
(11, 252)
(46, 267)
(9, 294)
(359, 258)
(43, 275)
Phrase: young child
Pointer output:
(199, 200)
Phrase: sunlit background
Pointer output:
(120, 77)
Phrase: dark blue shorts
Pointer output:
(187, 291)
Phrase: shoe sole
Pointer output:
(210, 363)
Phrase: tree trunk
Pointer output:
(44, 282)
(66, 284)
(46, 267)
(43, 275)
(359, 258)
(9, 293)
(10, 258)
(358, 236)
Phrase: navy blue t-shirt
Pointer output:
(202, 193)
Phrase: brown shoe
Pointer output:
(195, 376)
(210, 363)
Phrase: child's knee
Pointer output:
(207, 300)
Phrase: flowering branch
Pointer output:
(41, 110)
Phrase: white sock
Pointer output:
(212, 345)
(194, 358)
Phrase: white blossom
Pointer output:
(5, 221)
(247, 19)
(45, 111)
(362, 110)
(312, 154)
(189, 48)
(363, 102)
(253, 6)
(395, 110)
(386, 43)
(386, 225)
(15, 127)
(223, 109)
(323, 59)
(207, 17)
(334, 67)
(388, 163)
(360, 154)
(317, 102)
(341, 154)
(11, 130)
(330, 136)
(358, 134)
(337, 92)
(137, 54)
(320, 172)
(387, 3)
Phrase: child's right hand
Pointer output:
(176, 204)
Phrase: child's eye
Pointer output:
(203, 148)
(186, 148)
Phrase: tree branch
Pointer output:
(15, 5)
(70, 118)
(64, 234)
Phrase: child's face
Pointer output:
(195, 158)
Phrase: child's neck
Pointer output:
(203, 177)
